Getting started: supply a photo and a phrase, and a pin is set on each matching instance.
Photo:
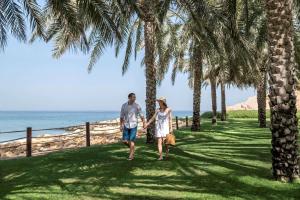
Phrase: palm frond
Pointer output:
(96, 52)
(36, 17)
(14, 17)
(128, 53)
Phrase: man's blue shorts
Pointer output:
(129, 134)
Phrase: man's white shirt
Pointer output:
(130, 114)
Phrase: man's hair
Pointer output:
(130, 95)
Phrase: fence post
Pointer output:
(28, 142)
(177, 122)
(187, 121)
(88, 138)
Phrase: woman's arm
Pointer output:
(170, 121)
(151, 120)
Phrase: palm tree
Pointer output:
(234, 59)
(252, 25)
(213, 91)
(188, 57)
(149, 17)
(213, 87)
(197, 82)
(142, 20)
(149, 39)
(99, 24)
(206, 24)
(212, 72)
(12, 18)
(194, 34)
(261, 88)
(223, 101)
(284, 122)
(223, 98)
(82, 24)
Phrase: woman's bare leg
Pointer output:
(159, 146)
(167, 150)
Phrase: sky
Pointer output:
(32, 80)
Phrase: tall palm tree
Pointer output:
(206, 24)
(213, 89)
(252, 25)
(147, 26)
(211, 78)
(197, 82)
(284, 122)
(141, 24)
(223, 101)
(83, 25)
(149, 39)
(99, 24)
(188, 54)
(219, 74)
(194, 35)
(234, 59)
(261, 88)
(12, 18)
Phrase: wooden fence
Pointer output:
(178, 122)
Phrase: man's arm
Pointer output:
(122, 118)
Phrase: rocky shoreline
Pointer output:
(103, 132)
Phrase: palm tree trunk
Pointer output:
(284, 122)
(223, 102)
(213, 87)
(150, 69)
(261, 99)
(197, 70)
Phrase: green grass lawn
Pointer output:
(228, 161)
(232, 114)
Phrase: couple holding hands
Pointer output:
(130, 112)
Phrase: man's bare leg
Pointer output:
(131, 155)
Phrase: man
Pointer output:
(129, 122)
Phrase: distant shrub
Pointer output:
(235, 114)
(208, 115)
(245, 114)
(242, 114)
(238, 114)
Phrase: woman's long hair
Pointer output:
(165, 105)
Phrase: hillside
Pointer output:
(251, 104)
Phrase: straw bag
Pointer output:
(170, 139)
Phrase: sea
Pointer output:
(20, 120)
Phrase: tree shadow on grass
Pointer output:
(201, 166)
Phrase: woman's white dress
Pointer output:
(162, 124)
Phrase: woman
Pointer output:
(163, 117)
